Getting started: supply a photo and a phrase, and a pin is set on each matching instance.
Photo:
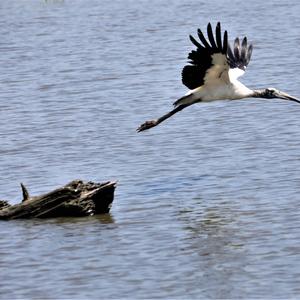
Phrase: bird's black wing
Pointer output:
(213, 56)
(201, 60)
(241, 54)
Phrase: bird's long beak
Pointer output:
(285, 96)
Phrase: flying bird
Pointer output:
(212, 74)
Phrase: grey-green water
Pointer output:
(207, 204)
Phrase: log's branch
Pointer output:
(24, 192)
(155, 122)
(4, 204)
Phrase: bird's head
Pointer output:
(271, 93)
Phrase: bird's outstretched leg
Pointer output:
(155, 122)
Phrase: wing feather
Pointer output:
(203, 39)
(211, 36)
(202, 59)
(230, 55)
(225, 42)
(214, 56)
(244, 50)
(236, 48)
(194, 41)
(218, 36)
(241, 54)
(249, 53)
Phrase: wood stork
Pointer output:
(212, 74)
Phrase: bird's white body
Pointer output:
(220, 83)
(217, 90)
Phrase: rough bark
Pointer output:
(77, 198)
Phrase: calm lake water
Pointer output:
(207, 203)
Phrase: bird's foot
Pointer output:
(147, 125)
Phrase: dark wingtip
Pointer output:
(250, 49)
(203, 39)
(237, 42)
(244, 51)
(225, 42)
(218, 27)
(236, 48)
(218, 37)
(244, 42)
(249, 52)
(211, 36)
(193, 40)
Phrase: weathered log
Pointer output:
(3, 204)
(77, 198)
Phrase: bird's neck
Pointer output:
(240, 90)
(258, 93)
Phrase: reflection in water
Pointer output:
(212, 233)
(103, 219)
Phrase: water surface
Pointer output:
(207, 204)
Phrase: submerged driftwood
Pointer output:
(77, 198)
